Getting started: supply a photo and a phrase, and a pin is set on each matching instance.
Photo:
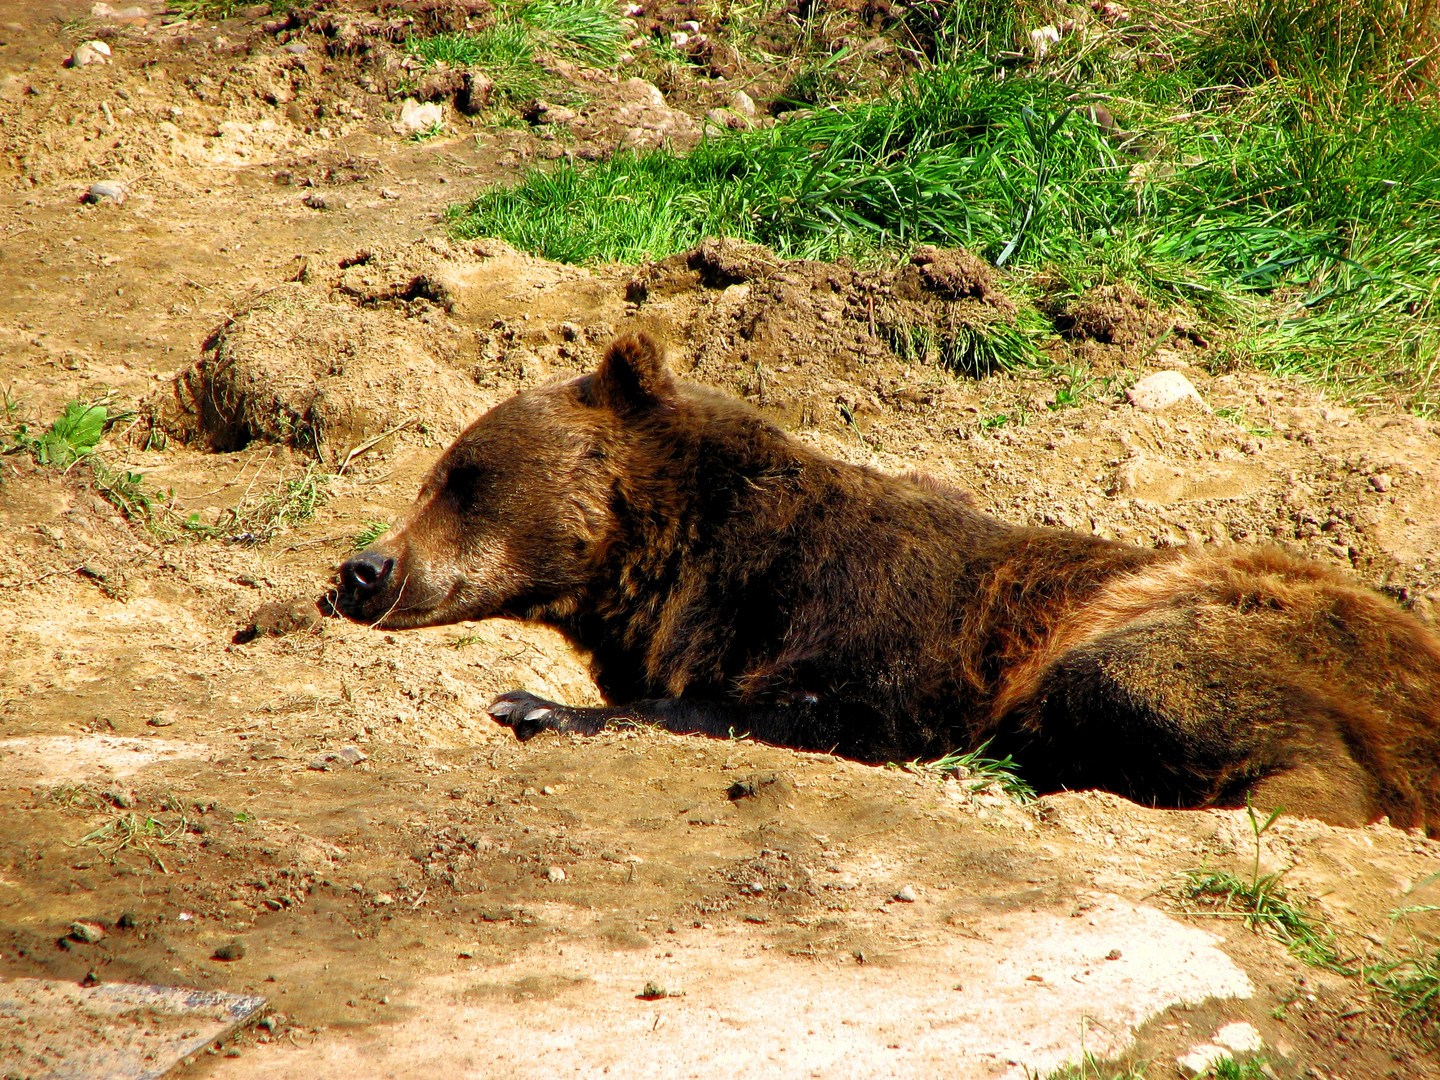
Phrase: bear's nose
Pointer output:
(367, 571)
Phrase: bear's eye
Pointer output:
(465, 484)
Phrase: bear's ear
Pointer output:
(633, 374)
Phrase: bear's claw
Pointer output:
(527, 714)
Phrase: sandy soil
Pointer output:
(446, 898)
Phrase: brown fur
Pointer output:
(724, 577)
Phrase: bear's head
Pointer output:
(515, 516)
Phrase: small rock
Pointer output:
(126, 920)
(1200, 1059)
(554, 873)
(231, 950)
(906, 895)
(386, 193)
(679, 39)
(743, 104)
(113, 190)
(570, 331)
(547, 790)
(89, 52)
(755, 887)
(384, 899)
(1113, 954)
(690, 26)
(1240, 1037)
(1162, 390)
(1380, 482)
(416, 117)
(469, 952)
(350, 755)
(295, 48)
(87, 932)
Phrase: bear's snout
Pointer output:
(366, 572)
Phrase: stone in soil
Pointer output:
(1162, 390)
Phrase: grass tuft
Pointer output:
(508, 51)
(976, 771)
(370, 532)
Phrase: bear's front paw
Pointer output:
(527, 714)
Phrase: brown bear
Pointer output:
(727, 580)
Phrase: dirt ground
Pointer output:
(328, 818)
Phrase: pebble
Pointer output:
(87, 932)
(547, 790)
(1162, 390)
(554, 873)
(755, 887)
(274, 1022)
(231, 950)
(90, 52)
(416, 117)
(386, 193)
(906, 895)
(384, 899)
(113, 190)
(469, 952)
(1380, 482)
(350, 755)
(295, 48)
(743, 104)
(679, 39)
(690, 26)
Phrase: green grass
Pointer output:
(1287, 203)
(508, 50)
(370, 531)
(1407, 980)
(976, 770)
(1265, 904)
